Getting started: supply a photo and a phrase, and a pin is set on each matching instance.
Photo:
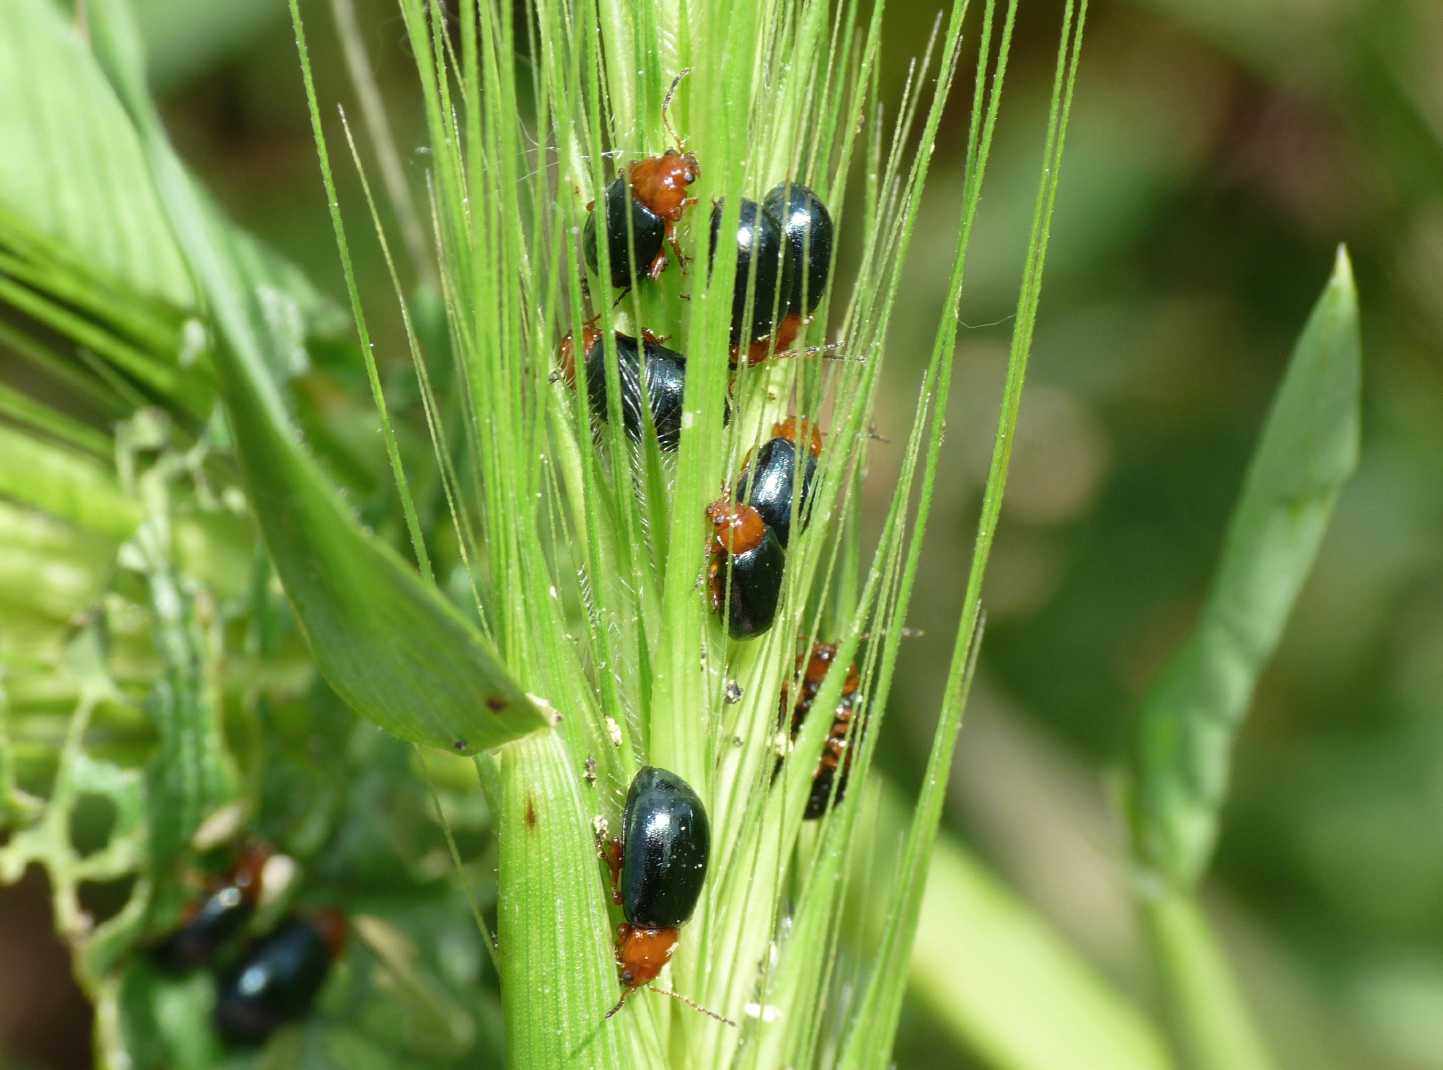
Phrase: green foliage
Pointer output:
(1308, 450)
(586, 643)
(388, 644)
(1190, 716)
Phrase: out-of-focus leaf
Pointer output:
(77, 202)
(555, 936)
(184, 38)
(72, 169)
(191, 775)
(64, 484)
(389, 644)
(1189, 717)
(1207, 1015)
(1308, 450)
(1006, 984)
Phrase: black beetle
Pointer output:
(759, 267)
(654, 189)
(648, 232)
(210, 923)
(768, 481)
(749, 587)
(836, 763)
(665, 382)
(836, 760)
(806, 233)
(663, 855)
(278, 977)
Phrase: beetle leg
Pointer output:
(611, 854)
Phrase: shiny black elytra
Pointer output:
(665, 382)
(666, 843)
(278, 978)
(648, 232)
(806, 235)
(665, 385)
(759, 254)
(747, 564)
(768, 483)
(214, 921)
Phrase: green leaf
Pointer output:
(67, 485)
(191, 775)
(558, 972)
(1195, 707)
(78, 207)
(1308, 450)
(1208, 1019)
(73, 169)
(989, 965)
(390, 645)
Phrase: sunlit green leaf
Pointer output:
(1308, 450)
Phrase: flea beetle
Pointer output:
(659, 868)
(836, 760)
(758, 242)
(653, 194)
(806, 232)
(277, 979)
(768, 480)
(665, 382)
(647, 234)
(747, 560)
(210, 922)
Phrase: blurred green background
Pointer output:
(1218, 153)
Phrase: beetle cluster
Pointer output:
(277, 976)
(783, 249)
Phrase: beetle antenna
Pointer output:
(619, 1003)
(666, 105)
(906, 633)
(693, 1004)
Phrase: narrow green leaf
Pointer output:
(1208, 1019)
(1308, 449)
(990, 965)
(558, 973)
(390, 645)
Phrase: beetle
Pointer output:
(836, 761)
(665, 382)
(209, 923)
(745, 570)
(757, 286)
(659, 867)
(647, 236)
(653, 194)
(806, 234)
(768, 480)
(650, 198)
(278, 977)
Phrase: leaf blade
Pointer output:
(391, 646)
(1308, 449)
